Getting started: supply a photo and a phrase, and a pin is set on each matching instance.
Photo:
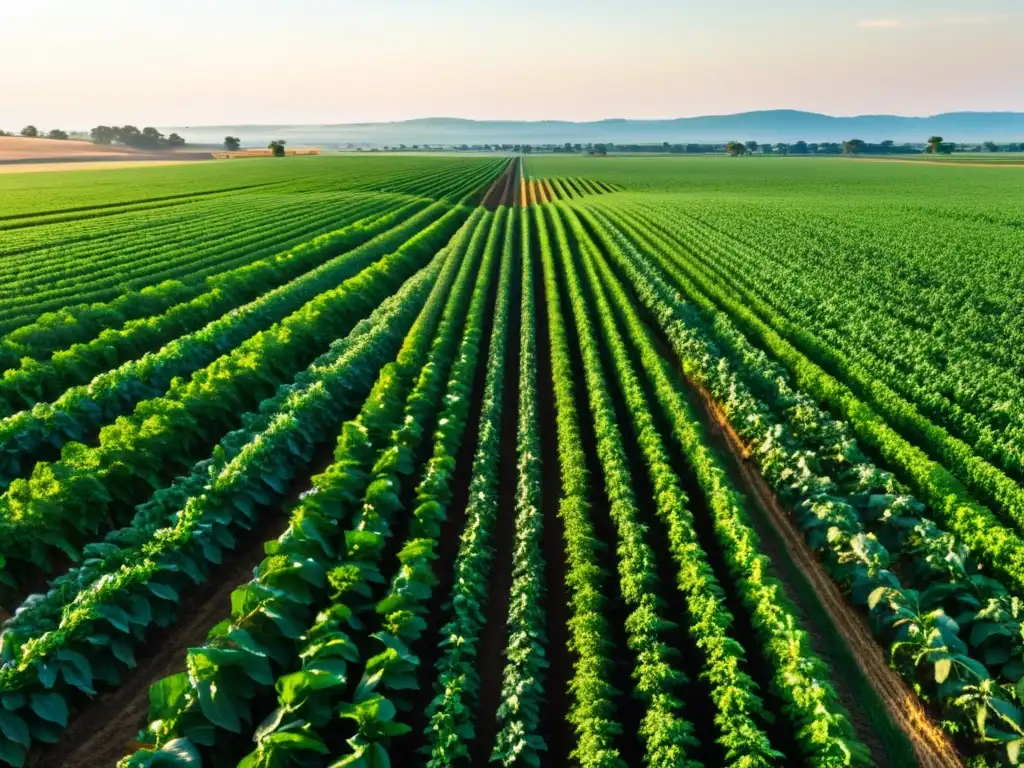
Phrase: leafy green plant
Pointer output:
(453, 711)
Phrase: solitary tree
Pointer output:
(30, 132)
(991, 146)
(853, 147)
(751, 147)
(57, 133)
(277, 148)
(232, 143)
(782, 149)
(935, 144)
(735, 149)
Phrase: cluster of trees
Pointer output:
(523, 148)
(31, 132)
(935, 145)
(232, 143)
(991, 146)
(851, 147)
(277, 148)
(130, 136)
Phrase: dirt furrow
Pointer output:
(931, 746)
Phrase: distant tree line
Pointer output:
(31, 132)
(523, 148)
(850, 147)
(935, 145)
(130, 136)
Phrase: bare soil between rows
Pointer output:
(490, 662)
(503, 189)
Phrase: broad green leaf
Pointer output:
(163, 591)
(167, 696)
(219, 708)
(12, 753)
(50, 707)
(14, 728)
(178, 753)
(117, 617)
(76, 670)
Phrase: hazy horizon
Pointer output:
(253, 62)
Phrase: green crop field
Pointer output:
(450, 460)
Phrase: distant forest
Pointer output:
(935, 145)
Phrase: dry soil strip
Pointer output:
(94, 165)
(931, 746)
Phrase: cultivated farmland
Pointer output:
(449, 461)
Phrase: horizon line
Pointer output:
(601, 120)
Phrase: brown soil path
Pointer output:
(931, 746)
(501, 191)
(87, 165)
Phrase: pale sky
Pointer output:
(77, 63)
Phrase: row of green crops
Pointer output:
(389, 675)
(665, 733)
(824, 733)
(360, 491)
(311, 543)
(522, 691)
(57, 650)
(969, 461)
(210, 236)
(407, 601)
(62, 504)
(837, 496)
(56, 331)
(845, 320)
(592, 711)
(452, 711)
(83, 634)
(81, 410)
(739, 707)
(42, 380)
